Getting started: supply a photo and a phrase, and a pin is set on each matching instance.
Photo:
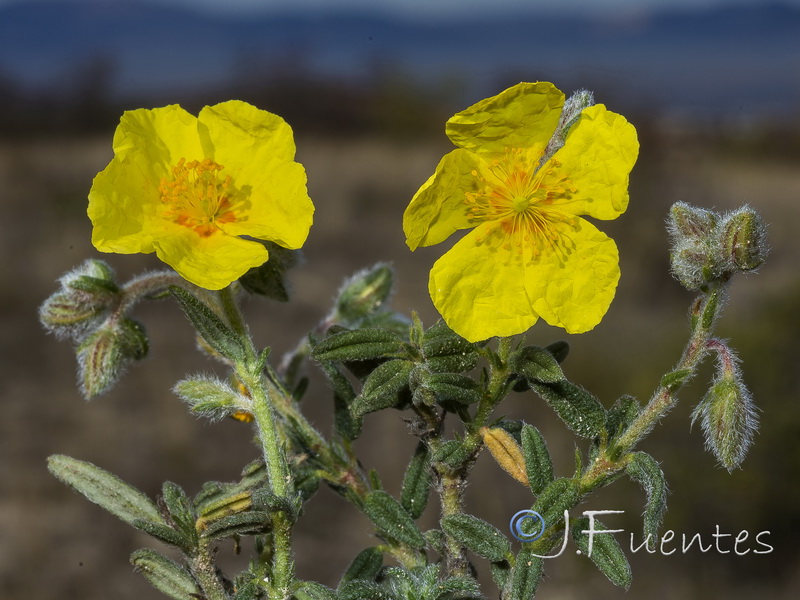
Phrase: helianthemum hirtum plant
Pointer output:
(220, 199)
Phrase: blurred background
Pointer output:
(713, 88)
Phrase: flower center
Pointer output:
(197, 196)
(524, 199)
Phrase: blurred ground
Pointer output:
(55, 545)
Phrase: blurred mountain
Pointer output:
(741, 60)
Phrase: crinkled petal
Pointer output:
(438, 209)
(124, 197)
(478, 286)
(597, 158)
(523, 116)
(573, 285)
(256, 149)
(489, 284)
(210, 262)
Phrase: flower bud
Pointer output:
(743, 239)
(688, 223)
(694, 259)
(727, 413)
(86, 293)
(364, 293)
(105, 353)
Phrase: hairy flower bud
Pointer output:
(364, 293)
(694, 259)
(743, 239)
(105, 354)
(727, 413)
(86, 293)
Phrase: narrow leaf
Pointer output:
(245, 523)
(536, 364)
(477, 535)
(447, 352)
(560, 495)
(416, 482)
(383, 387)
(211, 328)
(366, 565)
(359, 344)
(311, 590)
(104, 489)
(525, 576)
(606, 552)
(579, 409)
(538, 464)
(165, 533)
(164, 574)
(645, 471)
(391, 519)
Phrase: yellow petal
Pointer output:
(523, 116)
(478, 286)
(574, 286)
(210, 262)
(439, 209)
(257, 150)
(162, 136)
(492, 284)
(124, 197)
(597, 157)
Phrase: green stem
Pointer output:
(202, 564)
(280, 479)
(703, 316)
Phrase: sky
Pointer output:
(440, 8)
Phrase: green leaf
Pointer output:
(211, 397)
(453, 388)
(179, 507)
(538, 464)
(164, 574)
(644, 470)
(560, 495)
(447, 352)
(453, 453)
(366, 566)
(579, 409)
(500, 572)
(359, 344)
(359, 589)
(311, 590)
(559, 350)
(458, 588)
(383, 387)
(621, 415)
(524, 579)
(536, 365)
(166, 534)
(244, 523)
(477, 536)
(675, 379)
(104, 489)
(211, 328)
(416, 482)
(345, 425)
(249, 590)
(391, 519)
(606, 552)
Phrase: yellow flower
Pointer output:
(529, 254)
(201, 191)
